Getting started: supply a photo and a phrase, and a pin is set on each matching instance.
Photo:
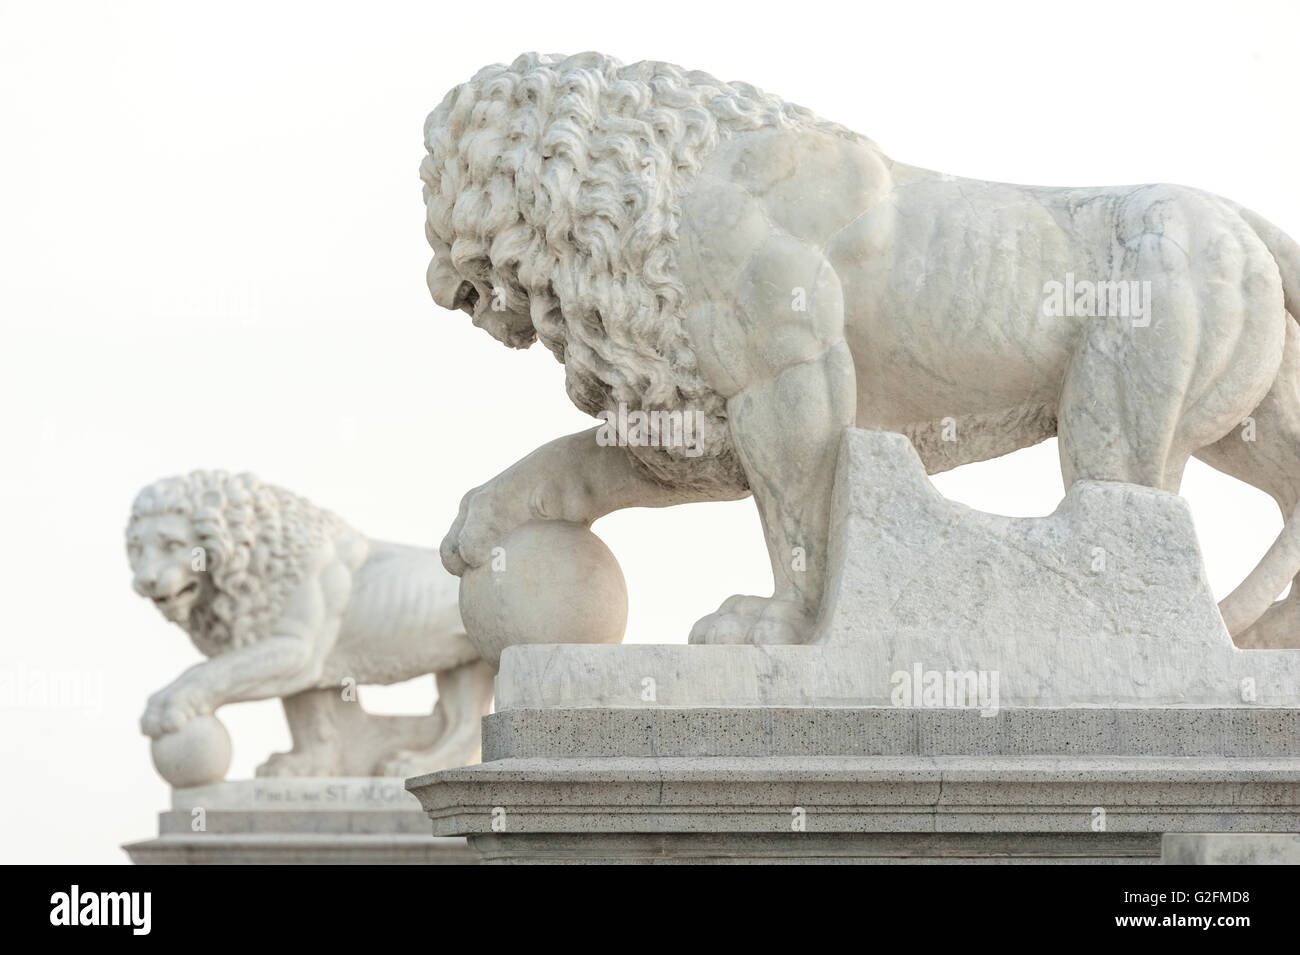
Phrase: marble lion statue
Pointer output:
(287, 601)
(690, 248)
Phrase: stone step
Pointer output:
(319, 822)
(300, 849)
(564, 733)
(956, 808)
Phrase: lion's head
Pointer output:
(551, 189)
(218, 553)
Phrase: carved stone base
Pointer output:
(979, 688)
(854, 809)
(837, 848)
(297, 821)
(667, 783)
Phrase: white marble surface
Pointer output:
(332, 794)
(548, 582)
(693, 247)
(1102, 603)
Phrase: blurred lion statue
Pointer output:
(285, 600)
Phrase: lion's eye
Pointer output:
(172, 546)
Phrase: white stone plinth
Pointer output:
(298, 821)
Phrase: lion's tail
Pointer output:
(1245, 605)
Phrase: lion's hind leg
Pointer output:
(1176, 362)
(464, 698)
(1265, 453)
(1122, 403)
(333, 735)
(320, 723)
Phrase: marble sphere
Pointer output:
(548, 582)
(196, 755)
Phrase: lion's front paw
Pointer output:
(485, 517)
(310, 763)
(761, 621)
(170, 710)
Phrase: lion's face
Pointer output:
(168, 564)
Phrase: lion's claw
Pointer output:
(171, 710)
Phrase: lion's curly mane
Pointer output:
(556, 180)
(256, 538)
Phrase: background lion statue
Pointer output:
(288, 601)
(685, 245)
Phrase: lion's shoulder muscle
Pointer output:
(808, 183)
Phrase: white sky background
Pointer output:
(212, 255)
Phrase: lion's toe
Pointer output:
(761, 621)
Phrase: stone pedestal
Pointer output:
(776, 781)
(298, 821)
(978, 688)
